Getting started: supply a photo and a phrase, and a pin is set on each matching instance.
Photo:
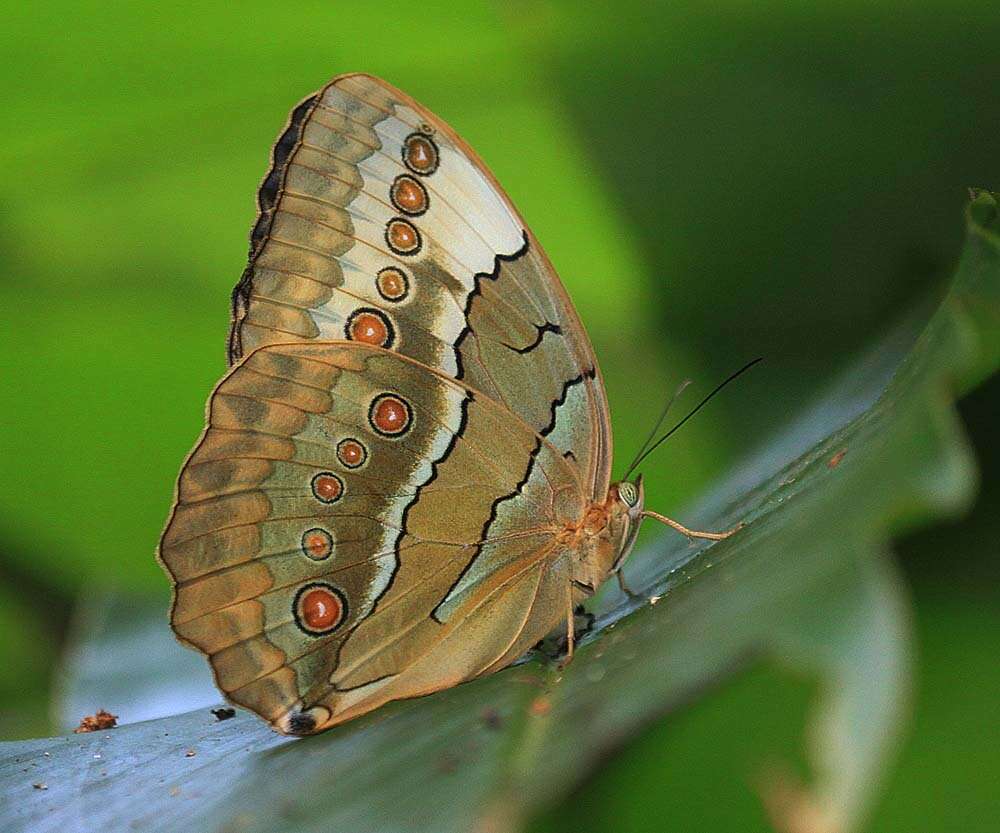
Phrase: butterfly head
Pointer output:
(625, 517)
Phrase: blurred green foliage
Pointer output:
(712, 182)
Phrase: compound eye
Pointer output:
(628, 493)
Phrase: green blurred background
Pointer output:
(712, 182)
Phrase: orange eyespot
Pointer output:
(351, 453)
(408, 195)
(389, 415)
(319, 608)
(317, 544)
(392, 284)
(420, 154)
(402, 237)
(327, 487)
(369, 326)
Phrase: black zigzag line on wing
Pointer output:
(547, 327)
(492, 275)
(455, 437)
(590, 373)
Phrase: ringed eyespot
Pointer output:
(319, 608)
(317, 543)
(370, 326)
(351, 453)
(402, 237)
(420, 154)
(327, 487)
(392, 284)
(409, 195)
(390, 415)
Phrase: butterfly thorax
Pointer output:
(606, 535)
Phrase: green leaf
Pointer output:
(808, 581)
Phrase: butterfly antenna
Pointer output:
(733, 376)
(658, 425)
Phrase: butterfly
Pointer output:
(404, 481)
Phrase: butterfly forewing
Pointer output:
(378, 223)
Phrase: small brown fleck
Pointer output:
(97, 722)
(834, 461)
(224, 713)
(175, 791)
(540, 706)
(190, 753)
(447, 763)
(491, 718)
(40, 785)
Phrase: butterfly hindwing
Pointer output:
(348, 512)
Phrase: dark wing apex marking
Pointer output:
(267, 197)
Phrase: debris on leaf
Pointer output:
(540, 706)
(224, 713)
(97, 722)
(190, 753)
(834, 461)
(40, 785)
(447, 763)
(491, 718)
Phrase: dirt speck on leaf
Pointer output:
(540, 706)
(834, 461)
(97, 722)
(491, 718)
(447, 763)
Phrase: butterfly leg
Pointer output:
(628, 591)
(691, 533)
(570, 629)
(587, 617)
